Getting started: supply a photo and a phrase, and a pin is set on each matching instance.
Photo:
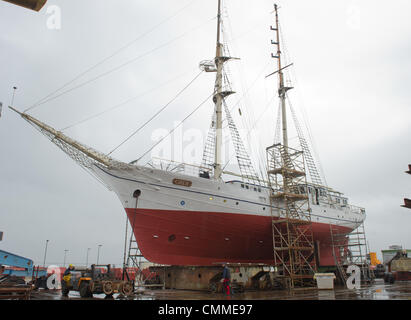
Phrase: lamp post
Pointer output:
(45, 253)
(98, 252)
(88, 249)
(65, 253)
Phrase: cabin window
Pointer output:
(317, 202)
(247, 187)
(242, 186)
(338, 200)
(255, 189)
(259, 189)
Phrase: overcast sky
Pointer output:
(353, 69)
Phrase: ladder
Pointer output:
(338, 242)
(351, 249)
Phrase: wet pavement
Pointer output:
(377, 291)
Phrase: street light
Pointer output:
(65, 253)
(98, 252)
(45, 253)
(88, 249)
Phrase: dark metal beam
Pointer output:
(407, 203)
(35, 5)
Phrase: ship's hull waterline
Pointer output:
(208, 222)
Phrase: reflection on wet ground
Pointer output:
(377, 291)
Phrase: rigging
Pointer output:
(46, 98)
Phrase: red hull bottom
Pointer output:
(206, 238)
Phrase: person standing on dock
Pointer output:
(226, 280)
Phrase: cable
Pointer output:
(122, 103)
(41, 101)
(118, 67)
(198, 107)
(156, 114)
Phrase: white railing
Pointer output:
(176, 167)
(357, 210)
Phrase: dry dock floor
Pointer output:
(376, 291)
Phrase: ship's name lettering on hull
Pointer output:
(181, 182)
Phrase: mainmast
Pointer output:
(218, 98)
(282, 89)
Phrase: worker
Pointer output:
(226, 280)
(68, 270)
(65, 284)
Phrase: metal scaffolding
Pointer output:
(351, 249)
(293, 242)
(134, 259)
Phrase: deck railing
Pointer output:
(176, 167)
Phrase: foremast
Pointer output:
(218, 98)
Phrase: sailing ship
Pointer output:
(195, 215)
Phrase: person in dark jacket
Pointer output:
(226, 280)
(68, 270)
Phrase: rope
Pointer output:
(42, 101)
(156, 114)
(198, 107)
(118, 67)
(122, 103)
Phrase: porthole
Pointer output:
(227, 239)
(155, 236)
(182, 202)
(171, 238)
(236, 203)
(187, 238)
